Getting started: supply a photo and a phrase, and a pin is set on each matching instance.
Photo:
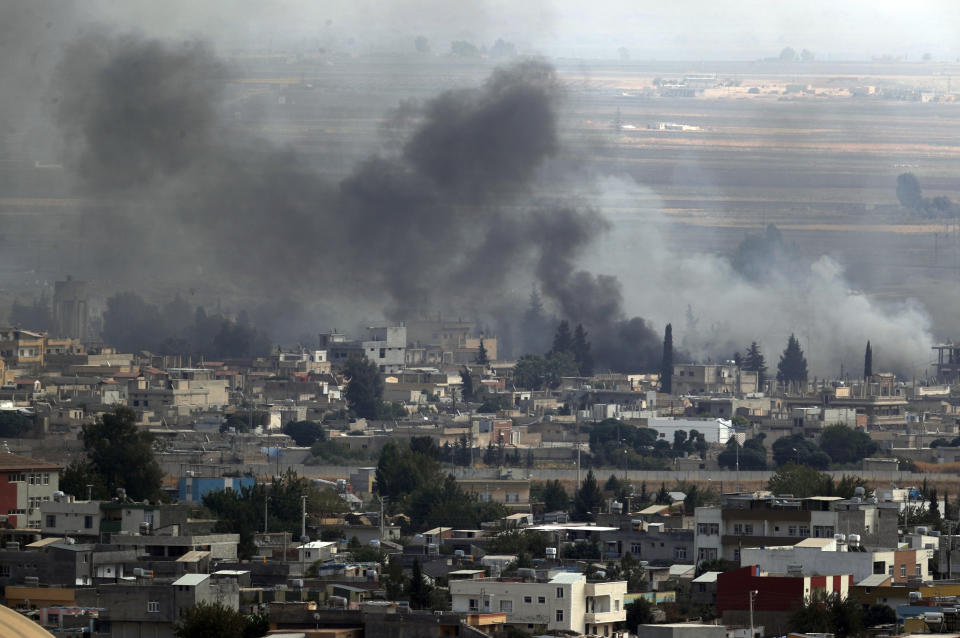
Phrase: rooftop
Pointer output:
(190, 580)
(17, 462)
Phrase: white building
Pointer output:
(830, 557)
(567, 602)
(316, 550)
(386, 347)
(713, 430)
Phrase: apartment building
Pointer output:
(25, 483)
(841, 555)
(760, 519)
(564, 602)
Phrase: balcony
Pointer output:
(605, 617)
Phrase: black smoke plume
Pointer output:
(447, 220)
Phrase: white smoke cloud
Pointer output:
(715, 311)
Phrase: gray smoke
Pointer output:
(446, 221)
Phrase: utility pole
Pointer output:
(303, 518)
(381, 516)
(578, 464)
(266, 499)
(753, 593)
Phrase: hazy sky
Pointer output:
(680, 29)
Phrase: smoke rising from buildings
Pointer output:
(448, 220)
(717, 310)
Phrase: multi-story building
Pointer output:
(25, 483)
(689, 378)
(70, 309)
(762, 519)
(833, 556)
(652, 543)
(513, 493)
(151, 607)
(181, 390)
(565, 602)
(770, 599)
(386, 346)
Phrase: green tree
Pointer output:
(879, 614)
(581, 351)
(123, 455)
(796, 448)
(752, 455)
(666, 361)
(820, 613)
(846, 445)
(909, 193)
(77, 475)
(206, 620)
(868, 362)
(787, 54)
(639, 612)
(754, 362)
(801, 481)
(304, 433)
(555, 497)
(418, 590)
(588, 498)
(466, 384)
(562, 339)
(365, 387)
(14, 425)
(482, 358)
(793, 365)
(393, 580)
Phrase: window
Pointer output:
(679, 553)
(87, 522)
(616, 605)
(635, 548)
(4, 571)
(16, 477)
(903, 571)
(559, 615)
(736, 555)
(707, 554)
(542, 600)
(383, 352)
(918, 572)
(153, 607)
(805, 531)
(506, 606)
(792, 530)
(559, 592)
(879, 567)
(51, 521)
(472, 604)
(527, 599)
(46, 478)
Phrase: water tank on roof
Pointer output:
(922, 530)
(551, 552)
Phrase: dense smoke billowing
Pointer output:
(718, 304)
(447, 221)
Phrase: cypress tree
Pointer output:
(581, 351)
(793, 365)
(562, 340)
(482, 358)
(666, 363)
(754, 362)
(868, 362)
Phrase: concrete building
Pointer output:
(761, 519)
(221, 546)
(192, 488)
(566, 602)
(689, 378)
(70, 309)
(386, 346)
(150, 608)
(834, 556)
(513, 493)
(713, 430)
(654, 544)
(25, 484)
(65, 516)
(775, 598)
(178, 392)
